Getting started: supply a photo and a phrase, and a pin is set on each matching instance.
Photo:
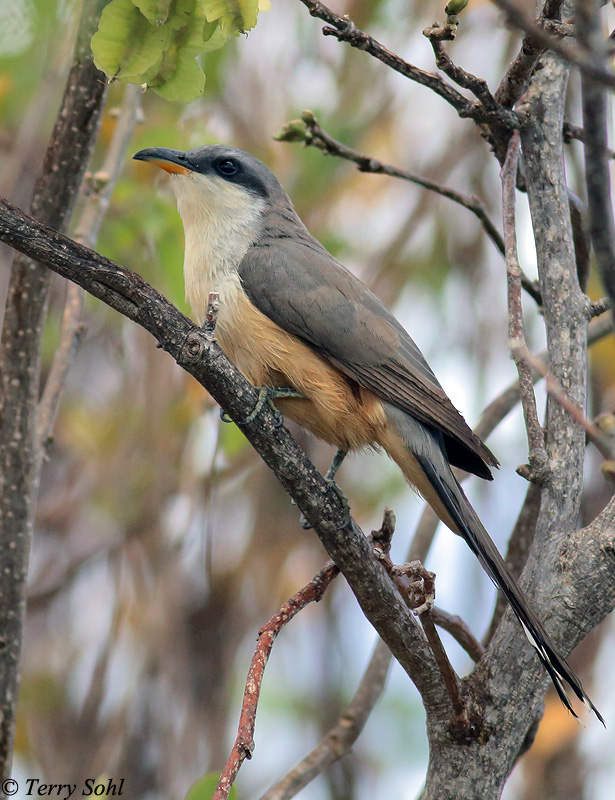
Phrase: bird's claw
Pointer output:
(267, 395)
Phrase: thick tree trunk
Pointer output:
(509, 683)
(56, 191)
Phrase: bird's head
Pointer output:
(216, 182)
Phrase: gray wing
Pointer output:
(296, 283)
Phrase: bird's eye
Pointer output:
(228, 167)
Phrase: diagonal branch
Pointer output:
(588, 62)
(309, 131)
(344, 30)
(196, 351)
(313, 135)
(244, 742)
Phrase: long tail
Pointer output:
(422, 458)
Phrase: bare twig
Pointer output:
(586, 61)
(461, 719)
(478, 86)
(244, 742)
(459, 630)
(383, 537)
(574, 132)
(516, 333)
(102, 184)
(71, 333)
(603, 441)
(309, 131)
(311, 134)
(344, 30)
(599, 307)
(420, 595)
(597, 174)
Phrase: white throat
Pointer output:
(221, 221)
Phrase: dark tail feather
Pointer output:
(461, 512)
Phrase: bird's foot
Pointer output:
(267, 395)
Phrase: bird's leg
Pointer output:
(330, 479)
(338, 458)
(267, 394)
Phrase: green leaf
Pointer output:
(155, 11)
(204, 788)
(156, 42)
(179, 76)
(126, 45)
(241, 15)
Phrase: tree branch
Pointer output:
(244, 742)
(65, 162)
(460, 631)
(580, 57)
(464, 79)
(312, 135)
(516, 332)
(575, 133)
(97, 204)
(603, 441)
(197, 352)
(597, 174)
(309, 131)
(344, 30)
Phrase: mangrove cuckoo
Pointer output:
(292, 316)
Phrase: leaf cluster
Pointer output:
(155, 42)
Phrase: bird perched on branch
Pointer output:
(327, 352)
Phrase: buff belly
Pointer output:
(335, 408)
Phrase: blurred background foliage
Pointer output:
(162, 543)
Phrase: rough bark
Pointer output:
(55, 194)
(569, 576)
(197, 352)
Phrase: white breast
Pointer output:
(221, 221)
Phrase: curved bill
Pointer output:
(173, 161)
